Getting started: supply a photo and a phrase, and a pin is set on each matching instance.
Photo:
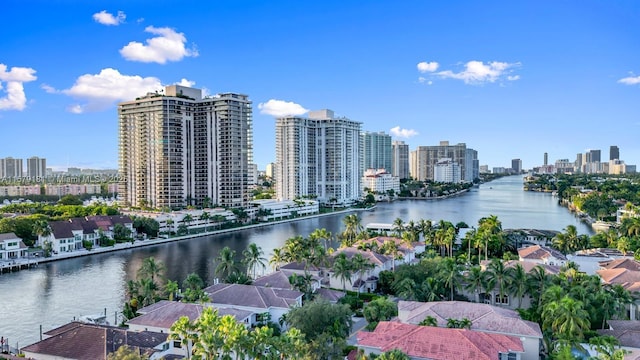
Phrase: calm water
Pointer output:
(54, 293)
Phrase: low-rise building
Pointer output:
(78, 340)
(380, 181)
(438, 343)
(12, 247)
(271, 209)
(542, 255)
(484, 318)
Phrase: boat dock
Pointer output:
(17, 264)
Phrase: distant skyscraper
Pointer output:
(36, 167)
(377, 151)
(447, 171)
(318, 156)
(400, 159)
(594, 155)
(516, 165)
(614, 153)
(180, 149)
(425, 159)
(579, 162)
(11, 168)
(546, 159)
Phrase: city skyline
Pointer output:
(510, 80)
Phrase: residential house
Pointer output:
(280, 280)
(257, 299)
(78, 340)
(68, 235)
(626, 273)
(542, 255)
(438, 343)
(627, 332)
(484, 318)
(11, 247)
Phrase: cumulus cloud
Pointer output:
(105, 18)
(169, 45)
(185, 82)
(279, 108)
(100, 91)
(477, 72)
(15, 99)
(630, 80)
(403, 133)
(425, 67)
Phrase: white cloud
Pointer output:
(100, 91)
(279, 108)
(424, 66)
(105, 18)
(167, 46)
(403, 133)
(631, 80)
(48, 88)
(477, 72)
(424, 80)
(15, 99)
(185, 82)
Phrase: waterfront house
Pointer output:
(257, 299)
(160, 316)
(271, 209)
(11, 247)
(78, 340)
(626, 273)
(67, 235)
(108, 223)
(484, 318)
(439, 343)
(280, 280)
(542, 255)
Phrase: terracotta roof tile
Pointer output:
(164, 313)
(624, 263)
(438, 343)
(252, 296)
(483, 317)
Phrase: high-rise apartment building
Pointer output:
(400, 159)
(546, 159)
(614, 153)
(11, 168)
(318, 156)
(594, 156)
(516, 165)
(376, 151)
(179, 149)
(36, 167)
(447, 171)
(425, 158)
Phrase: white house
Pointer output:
(542, 255)
(271, 209)
(11, 247)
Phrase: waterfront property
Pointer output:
(627, 332)
(270, 209)
(71, 235)
(542, 255)
(11, 247)
(78, 340)
(256, 299)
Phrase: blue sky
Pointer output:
(511, 79)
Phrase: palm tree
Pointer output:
(391, 248)
(489, 228)
(342, 269)
(517, 283)
(253, 259)
(186, 220)
(184, 331)
(406, 289)
(353, 227)
(277, 258)
(426, 228)
(631, 226)
(207, 218)
(567, 319)
(321, 234)
(568, 241)
(171, 289)
(451, 273)
(430, 290)
(394, 354)
(429, 321)
(398, 227)
(151, 269)
(474, 280)
(538, 281)
(360, 264)
(42, 228)
(226, 262)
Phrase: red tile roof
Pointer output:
(438, 343)
(624, 263)
(483, 317)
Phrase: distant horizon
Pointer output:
(509, 79)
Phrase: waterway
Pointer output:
(54, 293)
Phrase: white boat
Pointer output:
(97, 319)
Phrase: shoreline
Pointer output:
(27, 262)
